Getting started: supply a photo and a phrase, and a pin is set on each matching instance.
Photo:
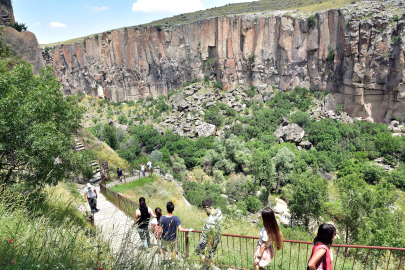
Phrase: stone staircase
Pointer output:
(79, 146)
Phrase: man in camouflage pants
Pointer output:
(211, 233)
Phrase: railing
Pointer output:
(236, 251)
(128, 206)
(103, 175)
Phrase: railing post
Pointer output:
(187, 246)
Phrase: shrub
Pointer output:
(312, 21)
(353, 2)
(396, 18)
(206, 78)
(20, 27)
(394, 40)
(122, 119)
(80, 96)
(213, 116)
(99, 110)
(110, 136)
(96, 36)
(251, 91)
(300, 118)
(159, 27)
(331, 54)
(209, 63)
(217, 84)
(253, 204)
(250, 57)
(155, 156)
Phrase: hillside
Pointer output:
(243, 150)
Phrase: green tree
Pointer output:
(253, 204)
(36, 128)
(283, 164)
(308, 199)
(386, 144)
(110, 136)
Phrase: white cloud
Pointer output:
(57, 25)
(178, 6)
(37, 24)
(95, 9)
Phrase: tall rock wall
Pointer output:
(365, 72)
(6, 12)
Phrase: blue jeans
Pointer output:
(145, 237)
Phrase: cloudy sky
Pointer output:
(59, 20)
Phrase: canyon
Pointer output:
(359, 59)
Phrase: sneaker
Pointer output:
(97, 210)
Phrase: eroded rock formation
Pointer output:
(364, 69)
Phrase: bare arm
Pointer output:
(261, 251)
(181, 229)
(151, 213)
(137, 215)
(85, 197)
(95, 191)
(315, 259)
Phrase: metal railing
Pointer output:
(236, 251)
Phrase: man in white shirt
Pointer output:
(90, 194)
(149, 164)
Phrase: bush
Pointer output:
(251, 91)
(213, 116)
(155, 156)
(209, 63)
(110, 136)
(253, 204)
(206, 78)
(394, 40)
(122, 119)
(331, 55)
(20, 27)
(312, 21)
(217, 84)
(80, 96)
(250, 57)
(300, 118)
(396, 18)
(159, 27)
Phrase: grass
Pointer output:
(105, 152)
(46, 234)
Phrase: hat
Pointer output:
(88, 184)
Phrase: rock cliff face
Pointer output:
(355, 60)
(25, 44)
(6, 12)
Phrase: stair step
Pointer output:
(94, 164)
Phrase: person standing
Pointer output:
(142, 217)
(119, 174)
(321, 256)
(90, 195)
(157, 229)
(149, 164)
(169, 225)
(270, 233)
(143, 168)
(211, 233)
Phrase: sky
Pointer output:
(60, 20)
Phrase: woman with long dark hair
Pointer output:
(156, 228)
(321, 256)
(269, 235)
(142, 217)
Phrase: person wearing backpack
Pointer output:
(321, 256)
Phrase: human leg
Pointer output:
(142, 234)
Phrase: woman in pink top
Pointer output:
(321, 257)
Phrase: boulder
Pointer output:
(25, 44)
(258, 97)
(306, 145)
(285, 121)
(169, 177)
(290, 133)
(206, 130)
(328, 103)
(182, 105)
